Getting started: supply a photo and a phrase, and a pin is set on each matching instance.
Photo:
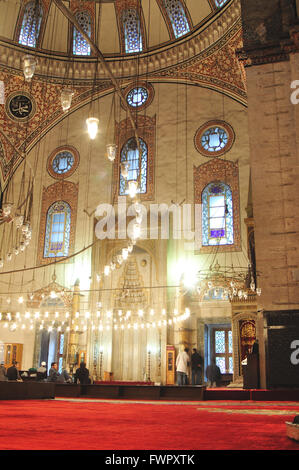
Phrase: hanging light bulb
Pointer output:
(124, 169)
(6, 209)
(133, 187)
(66, 98)
(111, 151)
(9, 256)
(125, 253)
(92, 127)
(29, 64)
(107, 270)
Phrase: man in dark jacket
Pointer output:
(82, 374)
(196, 364)
(213, 373)
(12, 372)
(53, 373)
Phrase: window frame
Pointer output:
(226, 355)
(49, 228)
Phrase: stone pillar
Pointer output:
(271, 59)
(73, 339)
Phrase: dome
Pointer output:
(161, 22)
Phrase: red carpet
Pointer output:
(55, 425)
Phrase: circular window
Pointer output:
(63, 162)
(139, 96)
(214, 138)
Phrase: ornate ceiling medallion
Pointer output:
(20, 106)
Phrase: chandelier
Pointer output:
(229, 282)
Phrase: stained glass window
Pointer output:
(177, 15)
(220, 3)
(217, 215)
(31, 24)
(130, 154)
(214, 139)
(58, 225)
(63, 162)
(80, 45)
(137, 97)
(132, 31)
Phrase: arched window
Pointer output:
(132, 31)
(31, 24)
(58, 225)
(217, 215)
(130, 154)
(177, 16)
(80, 45)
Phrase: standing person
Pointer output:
(12, 372)
(42, 372)
(3, 377)
(213, 373)
(182, 363)
(82, 374)
(53, 373)
(196, 365)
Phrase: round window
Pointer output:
(214, 138)
(63, 162)
(137, 97)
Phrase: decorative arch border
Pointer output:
(46, 6)
(146, 128)
(120, 7)
(218, 170)
(168, 21)
(68, 148)
(59, 191)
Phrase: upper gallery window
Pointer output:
(177, 17)
(132, 31)
(130, 154)
(220, 3)
(80, 45)
(217, 215)
(31, 24)
(58, 224)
